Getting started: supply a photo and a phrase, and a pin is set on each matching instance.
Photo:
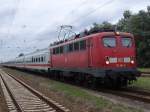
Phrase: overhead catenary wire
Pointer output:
(16, 9)
(13, 18)
(97, 8)
(94, 10)
(76, 8)
(84, 2)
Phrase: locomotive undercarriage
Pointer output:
(111, 79)
(121, 78)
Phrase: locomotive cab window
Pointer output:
(109, 42)
(126, 41)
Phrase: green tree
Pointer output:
(99, 27)
(139, 25)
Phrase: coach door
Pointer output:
(90, 57)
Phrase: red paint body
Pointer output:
(95, 53)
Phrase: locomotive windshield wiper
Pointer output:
(108, 45)
(129, 44)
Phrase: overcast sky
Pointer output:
(27, 25)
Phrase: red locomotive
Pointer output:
(103, 58)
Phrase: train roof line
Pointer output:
(36, 51)
(86, 36)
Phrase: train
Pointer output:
(103, 58)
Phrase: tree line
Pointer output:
(139, 25)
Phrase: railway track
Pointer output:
(145, 74)
(131, 93)
(22, 98)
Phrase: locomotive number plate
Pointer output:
(120, 59)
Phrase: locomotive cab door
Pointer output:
(89, 48)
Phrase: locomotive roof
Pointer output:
(90, 36)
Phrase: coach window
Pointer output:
(109, 42)
(76, 46)
(126, 42)
(32, 59)
(36, 60)
(41, 59)
(82, 45)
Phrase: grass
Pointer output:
(99, 102)
(144, 69)
(76, 92)
(142, 82)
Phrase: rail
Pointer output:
(20, 97)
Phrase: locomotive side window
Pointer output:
(76, 46)
(109, 42)
(61, 49)
(65, 48)
(126, 42)
(57, 50)
(82, 45)
(54, 50)
(70, 47)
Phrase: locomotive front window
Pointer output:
(126, 42)
(109, 42)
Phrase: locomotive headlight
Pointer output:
(132, 61)
(107, 62)
(117, 33)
